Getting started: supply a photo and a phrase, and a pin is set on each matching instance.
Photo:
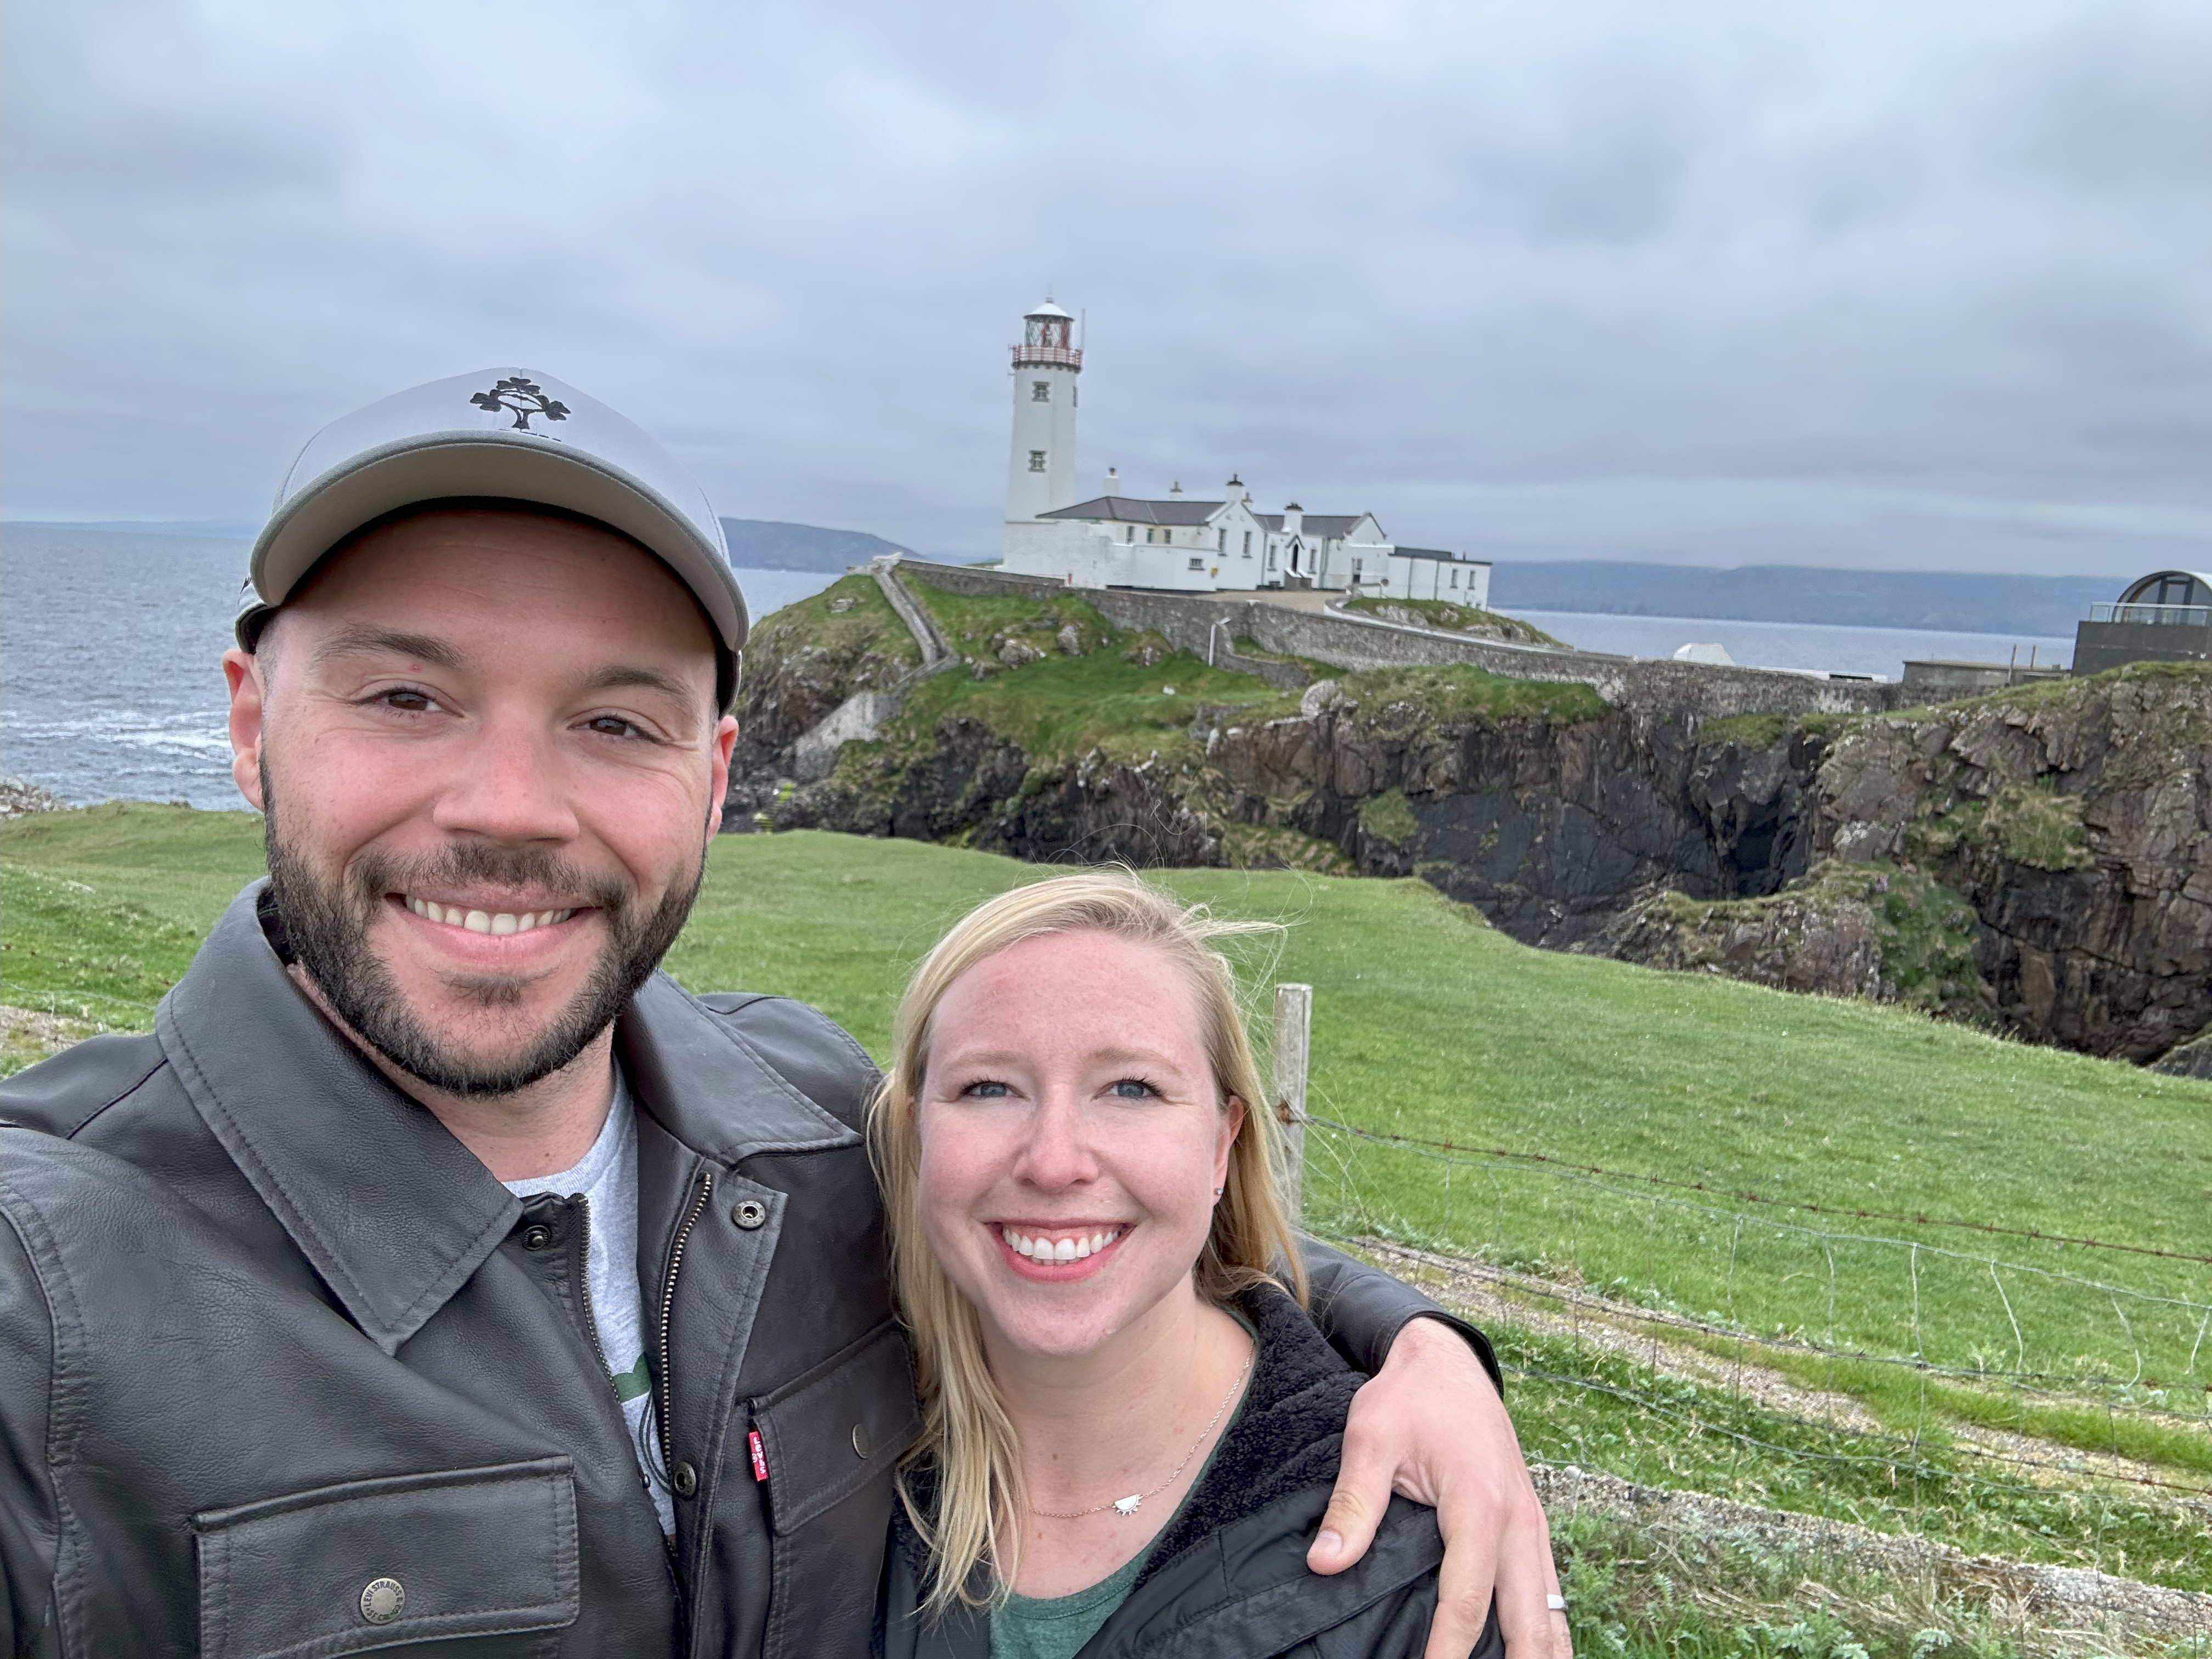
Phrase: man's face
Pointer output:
(488, 748)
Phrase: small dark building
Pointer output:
(2166, 617)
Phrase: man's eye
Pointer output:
(613, 726)
(409, 700)
(1130, 1087)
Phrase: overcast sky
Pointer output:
(1907, 285)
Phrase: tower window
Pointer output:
(1040, 391)
(1037, 460)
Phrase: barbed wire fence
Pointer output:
(1529, 1239)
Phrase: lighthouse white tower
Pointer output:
(1040, 472)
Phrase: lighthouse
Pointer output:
(1040, 472)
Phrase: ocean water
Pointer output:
(1877, 651)
(110, 647)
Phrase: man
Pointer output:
(438, 1271)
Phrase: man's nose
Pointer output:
(508, 784)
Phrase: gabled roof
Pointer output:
(1322, 525)
(1127, 509)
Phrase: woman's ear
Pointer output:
(1232, 1123)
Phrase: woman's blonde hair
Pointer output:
(972, 1519)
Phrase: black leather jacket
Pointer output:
(1227, 1576)
(272, 1342)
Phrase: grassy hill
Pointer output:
(1650, 1173)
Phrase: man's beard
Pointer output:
(327, 925)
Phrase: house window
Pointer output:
(1247, 544)
(1455, 581)
(1198, 564)
(1149, 534)
(1037, 460)
(1221, 539)
(1271, 558)
(1040, 391)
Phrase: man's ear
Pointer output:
(724, 741)
(249, 702)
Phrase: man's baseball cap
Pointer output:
(507, 434)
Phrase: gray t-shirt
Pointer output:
(607, 1178)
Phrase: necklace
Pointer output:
(1130, 1504)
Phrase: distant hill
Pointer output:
(1952, 600)
(215, 530)
(755, 543)
(771, 544)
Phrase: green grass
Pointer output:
(849, 618)
(1428, 1023)
(1601, 1410)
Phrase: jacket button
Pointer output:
(861, 1440)
(750, 1213)
(536, 1238)
(383, 1601)
(684, 1479)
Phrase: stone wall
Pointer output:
(1354, 643)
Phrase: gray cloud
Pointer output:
(1881, 285)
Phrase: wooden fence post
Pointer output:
(1293, 1035)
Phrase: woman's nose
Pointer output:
(1058, 1153)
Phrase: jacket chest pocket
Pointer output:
(831, 1438)
(380, 1563)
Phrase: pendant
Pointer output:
(1127, 1505)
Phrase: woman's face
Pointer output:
(1071, 1143)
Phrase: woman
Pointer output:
(1132, 1427)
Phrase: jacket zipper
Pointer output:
(582, 1268)
(661, 1382)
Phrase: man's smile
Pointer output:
(476, 921)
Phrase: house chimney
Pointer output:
(1294, 520)
(1176, 489)
(1113, 482)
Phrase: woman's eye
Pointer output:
(1130, 1087)
(986, 1091)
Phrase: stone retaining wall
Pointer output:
(1354, 643)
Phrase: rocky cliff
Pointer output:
(2040, 861)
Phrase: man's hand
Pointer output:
(1431, 1427)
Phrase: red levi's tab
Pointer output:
(760, 1456)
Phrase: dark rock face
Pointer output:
(2077, 819)
(980, 790)
(1549, 829)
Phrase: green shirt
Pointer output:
(1057, 1626)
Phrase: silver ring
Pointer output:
(1556, 1603)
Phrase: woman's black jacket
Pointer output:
(1228, 1578)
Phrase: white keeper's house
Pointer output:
(1180, 543)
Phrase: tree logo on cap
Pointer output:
(522, 399)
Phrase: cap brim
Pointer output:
(441, 465)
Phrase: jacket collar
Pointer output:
(391, 1210)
